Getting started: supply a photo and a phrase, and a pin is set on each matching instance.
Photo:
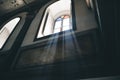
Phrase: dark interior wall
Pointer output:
(85, 17)
(109, 15)
(109, 18)
(85, 20)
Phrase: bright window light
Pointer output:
(7, 30)
(62, 23)
(57, 18)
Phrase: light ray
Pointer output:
(49, 52)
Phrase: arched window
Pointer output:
(62, 23)
(53, 22)
(7, 30)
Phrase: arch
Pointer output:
(53, 11)
(65, 12)
(7, 30)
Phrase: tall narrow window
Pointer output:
(57, 20)
(7, 30)
(62, 23)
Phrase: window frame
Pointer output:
(6, 22)
(73, 17)
(62, 21)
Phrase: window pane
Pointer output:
(66, 22)
(57, 30)
(58, 24)
(6, 30)
(66, 28)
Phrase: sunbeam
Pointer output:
(50, 50)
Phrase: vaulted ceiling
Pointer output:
(9, 8)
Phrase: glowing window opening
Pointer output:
(53, 12)
(7, 30)
(62, 23)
